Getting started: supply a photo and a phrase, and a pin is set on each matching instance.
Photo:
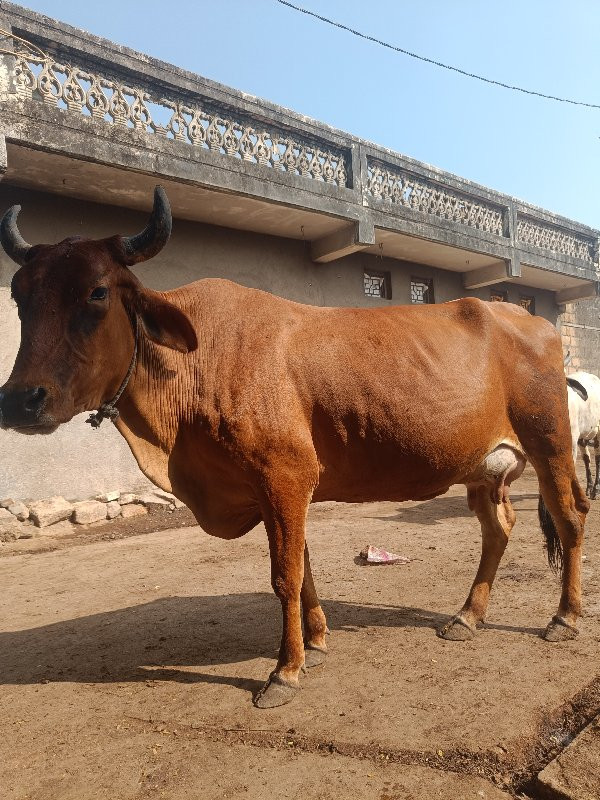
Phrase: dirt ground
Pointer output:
(128, 661)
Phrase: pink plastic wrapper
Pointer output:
(377, 555)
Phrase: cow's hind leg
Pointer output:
(315, 624)
(564, 499)
(583, 449)
(497, 520)
(596, 486)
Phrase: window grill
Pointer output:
(378, 284)
(498, 296)
(421, 290)
(527, 302)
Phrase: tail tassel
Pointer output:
(553, 544)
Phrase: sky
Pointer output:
(541, 151)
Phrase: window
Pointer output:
(378, 284)
(498, 296)
(421, 290)
(527, 302)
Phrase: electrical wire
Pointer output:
(8, 35)
(432, 61)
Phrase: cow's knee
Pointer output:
(287, 588)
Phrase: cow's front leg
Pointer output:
(315, 624)
(285, 522)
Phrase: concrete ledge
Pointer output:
(343, 242)
(578, 292)
(486, 276)
(575, 773)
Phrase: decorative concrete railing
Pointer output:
(556, 239)
(397, 186)
(410, 190)
(63, 85)
(47, 66)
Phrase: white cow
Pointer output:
(583, 390)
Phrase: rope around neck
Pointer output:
(109, 410)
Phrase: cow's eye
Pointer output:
(99, 293)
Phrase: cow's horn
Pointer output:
(13, 243)
(154, 236)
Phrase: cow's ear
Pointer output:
(163, 322)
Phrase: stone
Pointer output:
(9, 526)
(127, 498)
(108, 497)
(29, 532)
(6, 503)
(61, 528)
(175, 502)
(575, 772)
(48, 512)
(113, 509)
(19, 510)
(165, 495)
(89, 511)
(133, 510)
(153, 501)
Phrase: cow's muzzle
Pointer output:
(23, 410)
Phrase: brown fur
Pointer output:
(250, 407)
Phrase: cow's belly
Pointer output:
(362, 479)
(392, 473)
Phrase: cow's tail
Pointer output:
(553, 544)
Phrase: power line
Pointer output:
(432, 61)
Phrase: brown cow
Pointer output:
(250, 407)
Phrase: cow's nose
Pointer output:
(21, 407)
(34, 399)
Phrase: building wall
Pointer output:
(77, 461)
(580, 330)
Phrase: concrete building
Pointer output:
(261, 195)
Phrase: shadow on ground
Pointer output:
(441, 509)
(142, 642)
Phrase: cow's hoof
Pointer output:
(276, 692)
(559, 630)
(457, 630)
(313, 656)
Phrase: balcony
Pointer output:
(83, 117)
